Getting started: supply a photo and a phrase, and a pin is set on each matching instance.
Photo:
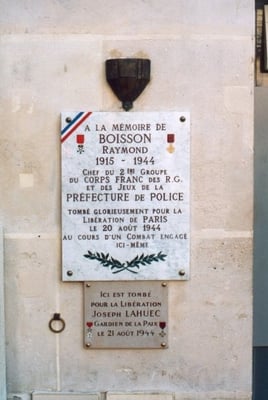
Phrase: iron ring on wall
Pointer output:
(57, 317)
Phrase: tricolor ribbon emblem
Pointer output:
(74, 124)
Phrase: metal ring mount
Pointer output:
(56, 317)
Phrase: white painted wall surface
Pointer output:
(52, 56)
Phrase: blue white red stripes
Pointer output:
(74, 124)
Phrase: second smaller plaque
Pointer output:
(126, 315)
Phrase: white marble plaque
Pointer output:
(125, 195)
(126, 315)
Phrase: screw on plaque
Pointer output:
(181, 272)
(182, 118)
(70, 273)
(68, 119)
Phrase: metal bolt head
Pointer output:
(182, 118)
(164, 284)
(163, 344)
(181, 272)
(88, 285)
(88, 345)
(68, 119)
(70, 273)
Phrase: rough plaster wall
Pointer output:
(52, 59)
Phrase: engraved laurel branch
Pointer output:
(116, 266)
